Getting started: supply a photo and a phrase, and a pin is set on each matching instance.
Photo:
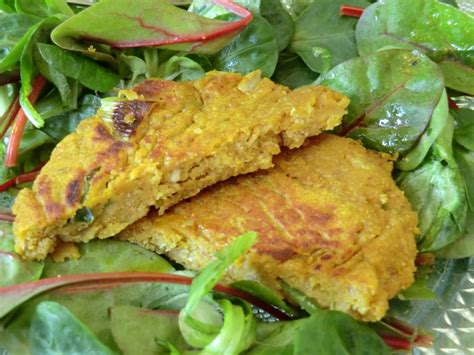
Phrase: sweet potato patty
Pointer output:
(330, 219)
(163, 142)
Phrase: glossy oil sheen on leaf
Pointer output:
(255, 48)
(54, 329)
(320, 26)
(147, 23)
(441, 31)
(393, 96)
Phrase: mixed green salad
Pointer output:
(407, 67)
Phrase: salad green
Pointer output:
(408, 68)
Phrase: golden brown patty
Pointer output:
(164, 143)
(331, 223)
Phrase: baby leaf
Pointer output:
(393, 96)
(441, 31)
(147, 23)
(54, 329)
(255, 48)
(320, 26)
(281, 21)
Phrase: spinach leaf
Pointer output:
(13, 269)
(143, 331)
(276, 338)
(438, 122)
(333, 332)
(296, 7)
(441, 31)
(15, 30)
(87, 71)
(322, 37)
(28, 68)
(436, 192)
(54, 329)
(393, 97)
(65, 123)
(108, 256)
(135, 26)
(281, 21)
(291, 71)
(255, 48)
(43, 8)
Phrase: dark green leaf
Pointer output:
(88, 72)
(333, 332)
(139, 331)
(393, 96)
(436, 192)
(7, 6)
(322, 37)
(291, 71)
(255, 48)
(437, 124)
(108, 256)
(281, 21)
(59, 126)
(54, 329)
(28, 70)
(442, 32)
(15, 31)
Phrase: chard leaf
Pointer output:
(442, 32)
(255, 48)
(438, 122)
(136, 26)
(291, 71)
(281, 21)
(142, 331)
(88, 72)
(321, 26)
(436, 192)
(108, 256)
(54, 329)
(393, 95)
(333, 332)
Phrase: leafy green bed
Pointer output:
(408, 68)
